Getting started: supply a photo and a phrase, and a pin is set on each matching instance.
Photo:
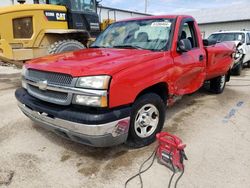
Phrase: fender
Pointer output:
(67, 31)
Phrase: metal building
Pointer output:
(103, 11)
(233, 17)
(117, 14)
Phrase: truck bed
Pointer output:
(219, 58)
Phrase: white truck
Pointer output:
(242, 40)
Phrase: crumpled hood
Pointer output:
(93, 61)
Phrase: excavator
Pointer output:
(46, 27)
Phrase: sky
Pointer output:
(170, 6)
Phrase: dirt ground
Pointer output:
(216, 129)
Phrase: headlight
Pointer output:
(93, 82)
(95, 101)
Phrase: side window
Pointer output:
(188, 32)
(23, 27)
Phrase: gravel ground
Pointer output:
(216, 129)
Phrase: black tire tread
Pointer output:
(237, 70)
(215, 85)
(133, 140)
(55, 47)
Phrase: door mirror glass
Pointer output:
(184, 45)
(209, 42)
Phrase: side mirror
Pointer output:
(98, 2)
(209, 42)
(184, 45)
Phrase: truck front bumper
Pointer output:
(102, 129)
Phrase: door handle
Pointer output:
(201, 57)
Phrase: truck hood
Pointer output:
(93, 61)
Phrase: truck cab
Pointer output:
(81, 14)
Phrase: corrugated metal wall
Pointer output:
(105, 12)
(208, 29)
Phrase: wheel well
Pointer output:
(160, 89)
(51, 38)
(81, 37)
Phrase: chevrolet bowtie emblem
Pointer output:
(43, 84)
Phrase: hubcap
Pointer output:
(146, 121)
(222, 81)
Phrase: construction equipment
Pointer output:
(106, 23)
(53, 26)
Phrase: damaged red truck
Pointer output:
(117, 90)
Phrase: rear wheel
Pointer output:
(237, 70)
(147, 119)
(65, 46)
(217, 85)
(248, 64)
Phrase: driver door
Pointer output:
(190, 66)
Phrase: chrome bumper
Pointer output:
(103, 135)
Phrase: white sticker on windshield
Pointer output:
(239, 37)
(161, 24)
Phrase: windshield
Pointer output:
(140, 34)
(222, 37)
(76, 5)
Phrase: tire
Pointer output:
(237, 70)
(248, 65)
(147, 116)
(65, 46)
(217, 85)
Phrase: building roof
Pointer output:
(123, 10)
(234, 12)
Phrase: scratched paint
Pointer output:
(233, 111)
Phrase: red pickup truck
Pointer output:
(117, 90)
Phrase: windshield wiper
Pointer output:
(129, 47)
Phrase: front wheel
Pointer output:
(217, 85)
(147, 119)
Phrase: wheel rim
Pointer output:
(222, 82)
(146, 121)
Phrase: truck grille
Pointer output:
(49, 96)
(56, 79)
(51, 77)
